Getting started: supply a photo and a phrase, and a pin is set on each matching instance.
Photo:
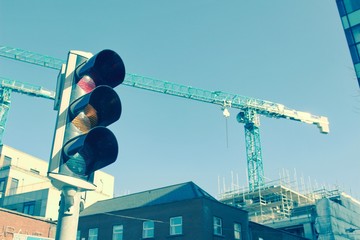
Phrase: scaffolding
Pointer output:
(323, 213)
(279, 199)
(270, 202)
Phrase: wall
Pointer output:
(34, 185)
(197, 217)
(27, 181)
(12, 222)
(229, 216)
(132, 220)
(337, 214)
(23, 160)
(104, 188)
(258, 231)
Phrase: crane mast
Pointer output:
(8, 86)
(250, 108)
(5, 94)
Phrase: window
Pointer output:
(217, 226)
(2, 185)
(349, 37)
(7, 161)
(237, 231)
(356, 33)
(29, 208)
(354, 18)
(354, 54)
(351, 5)
(13, 186)
(34, 171)
(118, 232)
(148, 229)
(176, 225)
(341, 8)
(78, 235)
(93, 234)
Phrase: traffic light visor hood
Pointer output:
(90, 152)
(102, 106)
(105, 68)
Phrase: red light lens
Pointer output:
(86, 83)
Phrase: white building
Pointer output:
(25, 188)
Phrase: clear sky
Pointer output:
(289, 52)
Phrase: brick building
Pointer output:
(14, 225)
(182, 211)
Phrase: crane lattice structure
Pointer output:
(8, 86)
(250, 108)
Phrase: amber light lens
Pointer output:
(86, 120)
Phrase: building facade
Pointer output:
(25, 187)
(182, 211)
(14, 225)
(349, 11)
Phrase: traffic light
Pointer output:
(86, 104)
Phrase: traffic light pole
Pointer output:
(68, 214)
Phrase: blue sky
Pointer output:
(289, 52)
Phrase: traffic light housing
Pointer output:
(86, 104)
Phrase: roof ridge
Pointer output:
(163, 195)
(198, 189)
(144, 191)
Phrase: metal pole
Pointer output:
(68, 214)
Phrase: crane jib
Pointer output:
(249, 108)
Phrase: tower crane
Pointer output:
(8, 86)
(250, 108)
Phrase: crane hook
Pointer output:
(225, 107)
(226, 114)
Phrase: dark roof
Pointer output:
(174, 193)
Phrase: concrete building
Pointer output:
(182, 211)
(25, 188)
(316, 214)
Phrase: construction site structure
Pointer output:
(7, 86)
(250, 108)
(314, 213)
